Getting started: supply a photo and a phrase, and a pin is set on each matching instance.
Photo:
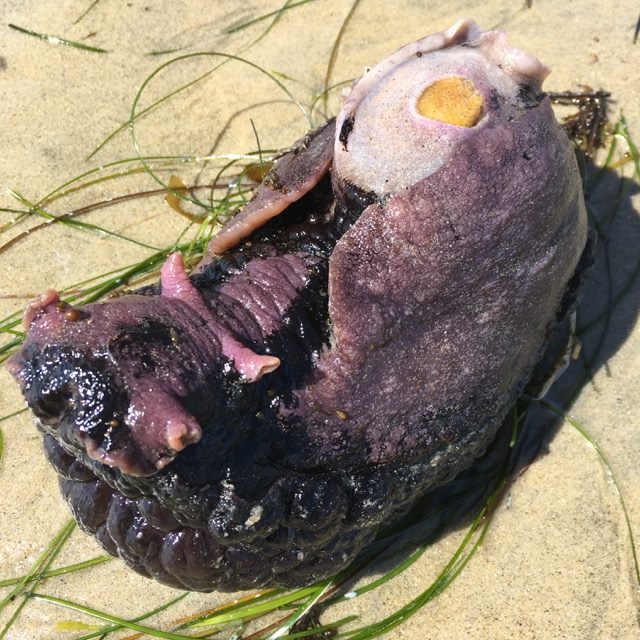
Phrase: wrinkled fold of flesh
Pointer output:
(294, 175)
(355, 336)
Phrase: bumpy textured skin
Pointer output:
(347, 346)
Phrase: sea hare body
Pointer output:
(356, 336)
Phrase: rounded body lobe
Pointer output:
(443, 299)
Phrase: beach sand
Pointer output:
(557, 561)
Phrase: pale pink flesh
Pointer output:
(159, 437)
(175, 282)
(48, 297)
(250, 364)
(152, 429)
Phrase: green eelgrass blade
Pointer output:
(197, 619)
(301, 611)
(14, 616)
(334, 52)
(185, 86)
(148, 265)
(317, 632)
(123, 279)
(397, 570)
(67, 188)
(552, 406)
(86, 11)
(266, 16)
(35, 572)
(189, 56)
(107, 617)
(7, 348)
(57, 40)
(52, 573)
(252, 610)
(149, 108)
(103, 631)
(71, 215)
(164, 52)
(34, 576)
(453, 568)
(633, 149)
(10, 321)
(13, 332)
(288, 4)
(66, 220)
(257, 137)
(64, 189)
(324, 93)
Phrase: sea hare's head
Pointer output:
(116, 383)
(405, 117)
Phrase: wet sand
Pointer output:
(557, 562)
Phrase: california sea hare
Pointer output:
(355, 337)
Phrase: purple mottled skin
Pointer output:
(456, 280)
(356, 335)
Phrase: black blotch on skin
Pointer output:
(345, 131)
(70, 391)
(528, 96)
(350, 204)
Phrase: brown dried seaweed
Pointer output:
(589, 126)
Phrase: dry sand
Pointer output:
(557, 562)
